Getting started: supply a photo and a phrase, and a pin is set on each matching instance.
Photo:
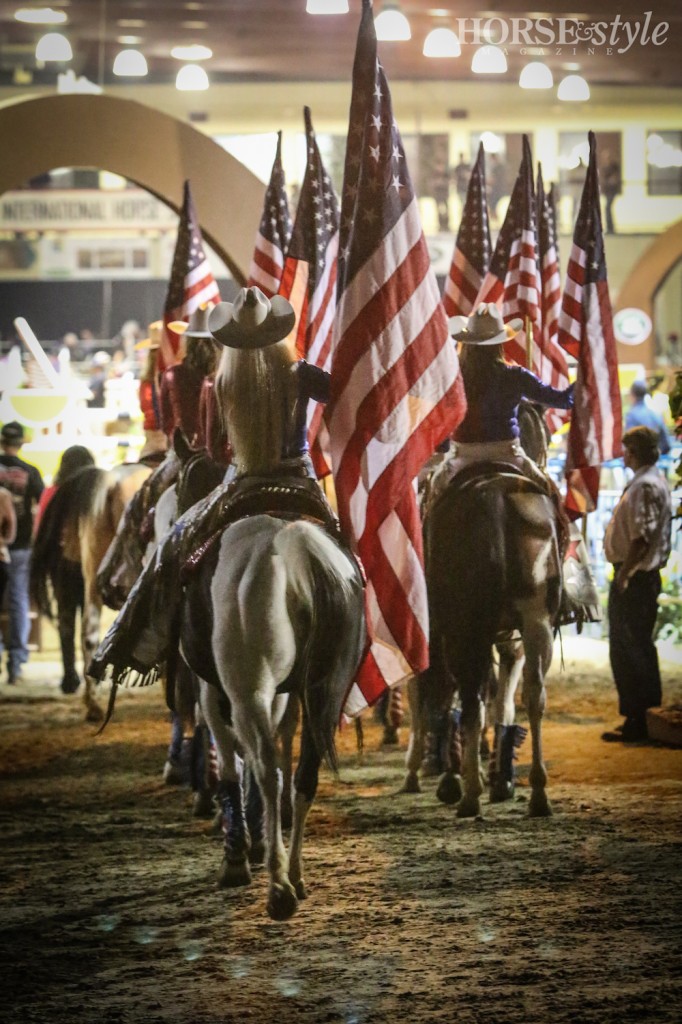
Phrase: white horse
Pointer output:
(275, 607)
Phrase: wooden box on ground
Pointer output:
(665, 724)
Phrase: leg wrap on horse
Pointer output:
(231, 798)
(508, 739)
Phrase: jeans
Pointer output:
(18, 609)
(632, 651)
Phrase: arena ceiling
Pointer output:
(276, 40)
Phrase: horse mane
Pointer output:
(71, 502)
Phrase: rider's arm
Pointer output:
(533, 389)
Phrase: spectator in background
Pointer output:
(461, 174)
(637, 542)
(8, 531)
(73, 459)
(497, 182)
(25, 484)
(155, 442)
(642, 415)
(99, 374)
(610, 183)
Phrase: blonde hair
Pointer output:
(256, 393)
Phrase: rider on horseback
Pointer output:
(263, 393)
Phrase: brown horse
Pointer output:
(74, 533)
(493, 565)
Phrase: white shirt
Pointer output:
(644, 511)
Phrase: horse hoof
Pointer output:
(257, 853)
(449, 789)
(300, 888)
(390, 737)
(539, 806)
(202, 805)
(234, 873)
(282, 902)
(469, 807)
(70, 683)
(411, 784)
(501, 791)
(94, 713)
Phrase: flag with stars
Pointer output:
(309, 281)
(553, 368)
(192, 283)
(471, 258)
(586, 332)
(274, 232)
(512, 281)
(396, 390)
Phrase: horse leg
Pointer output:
(68, 586)
(415, 746)
(449, 789)
(473, 711)
(286, 732)
(234, 869)
(90, 623)
(252, 725)
(305, 783)
(507, 735)
(537, 642)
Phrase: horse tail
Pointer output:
(329, 586)
(70, 503)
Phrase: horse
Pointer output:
(275, 607)
(72, 538)
(430, 694)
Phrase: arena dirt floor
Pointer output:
(109, 910)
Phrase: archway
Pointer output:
(643, 282)
(152, 149)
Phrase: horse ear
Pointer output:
(181, 445)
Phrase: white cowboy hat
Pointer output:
(252, 320)
(484, 327)
(198, 323)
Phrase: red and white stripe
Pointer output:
(267, 264)
(462, 286)
(521, 298)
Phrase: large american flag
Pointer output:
(192, 283)
(309, 280)
(274, 232)
(512, 281)
(396, 391)
(553, 368)
(473, 247)
(586, 332)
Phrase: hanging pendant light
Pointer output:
(191, 78)
(489, 60)
(391, 25)
(53, 46)
(130, 64)
(441, 42)
(536, 75)
(574, 89)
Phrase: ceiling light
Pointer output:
(327, 7)
(130, 63)
(129, 40)
(536, 75)
(53, 46)
(40, 16)
(441, 42)
(573, 88)
(492, 143)
(391, 25)
(191, 78)
(191, 53)
(489, 60)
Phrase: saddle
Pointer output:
(292, 498)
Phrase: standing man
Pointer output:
(642, 415)
(25, 484)
(637, 542)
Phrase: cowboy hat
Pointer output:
(252, 320)
(198, 323)
(154, 339)
(484, 327)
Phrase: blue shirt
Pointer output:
(640, 415)
(493, 414)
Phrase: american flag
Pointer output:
(553, 368)
(473, 247)
(274, 232)
(512, 280)
(396, 391)
(586, 332)
(309, 280)
(192, 283)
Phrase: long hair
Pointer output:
(151, 370)
(477, 363)
(74, 458)
(202, 355)
(256, 393)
